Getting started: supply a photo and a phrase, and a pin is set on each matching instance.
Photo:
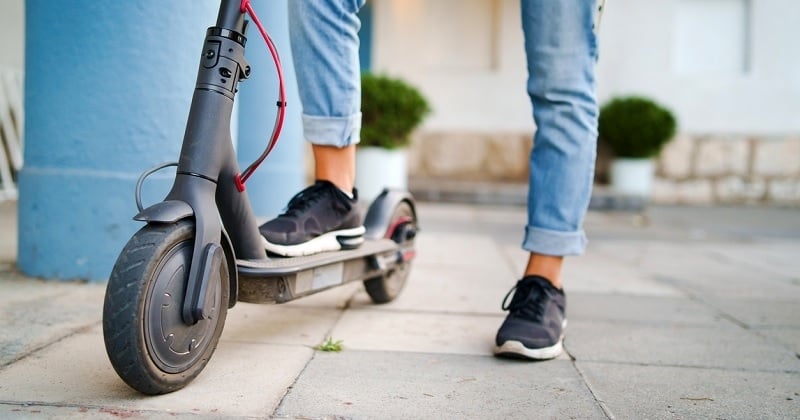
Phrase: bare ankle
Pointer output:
(547, 266)
(337, 165)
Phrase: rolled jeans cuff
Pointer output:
(332, 131)
(555, 243)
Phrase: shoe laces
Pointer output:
(528, 300)
(303, 200)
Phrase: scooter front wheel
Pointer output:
(149, 345)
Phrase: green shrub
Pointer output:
(635, 127)
(391, 109)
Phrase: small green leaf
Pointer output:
(330, 345)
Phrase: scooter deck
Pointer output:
(279, 280)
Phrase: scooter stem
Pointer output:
(208, 165)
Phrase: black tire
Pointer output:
(148, 344)
(403, 223)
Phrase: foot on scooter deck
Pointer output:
(281, 279)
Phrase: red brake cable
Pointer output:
(240, 179)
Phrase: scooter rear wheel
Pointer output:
(402, 229)
(149, 345)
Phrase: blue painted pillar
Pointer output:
(365, 14)
(107, 92)
(283, 173)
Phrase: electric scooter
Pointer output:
(200, 250)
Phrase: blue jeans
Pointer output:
(561, 51)
(324, 38)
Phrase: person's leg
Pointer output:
(324, 36)
(326, 215)
(561, 52)
(335, 164)
(547, 266)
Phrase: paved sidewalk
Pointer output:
(685, 313)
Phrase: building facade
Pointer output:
(729, 69)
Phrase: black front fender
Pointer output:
(169, 211)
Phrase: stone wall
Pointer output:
(729, 170)
(470, 156)
(692, 169)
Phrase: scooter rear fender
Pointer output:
(379, 215)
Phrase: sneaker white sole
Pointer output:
(514, 348)
(331, 241)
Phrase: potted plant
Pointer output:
(636, 129)
(391, 110)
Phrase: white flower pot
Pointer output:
(633, 176)
(378, 168)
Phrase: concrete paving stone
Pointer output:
(506, 222)
(387, 385)
(597, 273)
(494, 216)
(447, 218)
(698, 270)
(517, 259)
(630, 226)
(365, 329)
(647, 253)
(675, 228)
(638, 392)
(773, 259)
(668, 287)
(457, 250)
(723, 345)
(710, 284)
(635, 309)
(242, 379)
(626, 252)
(429, 212)
(778, 257)
(448, 290)
(26, 324)
(730, 222)
(754, 313)
(28, 411)
(279, 324)
(15, 287)
(789, 337)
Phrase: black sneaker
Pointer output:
(319, 218)
(534, 328)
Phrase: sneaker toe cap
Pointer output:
(279, 231)
(530, 334)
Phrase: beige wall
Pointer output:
(12, 32)
(641, 50)
(729, 69)
(468, 57)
